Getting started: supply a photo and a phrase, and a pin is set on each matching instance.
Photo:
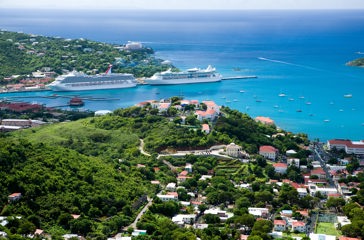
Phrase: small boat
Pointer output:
(308, 103)
(76, 102)
(276, 106)
(282, 95)
(291, 99)
(301, 97)
(326, 120)
(258, 100)
(341, 110)
(235, 100)
(348, 95)
(299, 110)
(242, 91)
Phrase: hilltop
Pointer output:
(22, 54)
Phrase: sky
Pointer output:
(182, 4)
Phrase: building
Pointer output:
(168, 197)
(268, 152)
(279, 225)
(319, 172)
(171, 187)
(182, 219)
(205, 128)
(188, 167)
(313, 189)
(233, 150)
(264, 120)
(298, 226)
(314, 236)
(280, 168)
(259, 212)
(350, 147)
(223, 215)
(302, 192)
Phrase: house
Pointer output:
(168, 197)
(280, 168)
(14, 197)
(298, 226)
(268, 152)
(279, 225)
(171, 187)
(343, 220)
(302, 192)
(209, 114)
(313, 189)
(138, 232)
(38, 232)
(163, 107)
(259, 212)
(233, 150)
(211, 105)
(293, 162)
(291, 152)
(182, 219)
(223, 215)
(319, 172)
(132, 46)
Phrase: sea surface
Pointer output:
(301, 54)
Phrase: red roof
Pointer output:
(279, 165)
(347, 143)
(15, 195)
(318, 171)
(348, 238)
(173, 194)
(183, 173)
(268, 149)
(279, 222)
(298, 224)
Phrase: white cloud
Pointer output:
(183, 4)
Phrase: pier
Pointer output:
(238, 77)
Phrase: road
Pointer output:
(323, 157)
(145, 208)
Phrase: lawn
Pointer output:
(327, 228)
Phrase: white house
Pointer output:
(280, 167)
(268, 152)
(233, 150)
(168, 197)
(350, 147)
(223, 215)
(171, 187)
(259, 212)
(293, 162)
(181, 219)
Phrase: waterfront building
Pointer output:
(350, 147)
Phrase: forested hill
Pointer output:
(22, 54)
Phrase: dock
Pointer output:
(238, 77)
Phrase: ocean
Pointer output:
(301, 54)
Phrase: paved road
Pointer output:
(322, 156)
(141, 148)
(145, 208)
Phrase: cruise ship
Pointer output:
(194, 75)
(79, 81)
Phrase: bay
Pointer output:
(299, 53)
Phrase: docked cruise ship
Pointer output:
(194, 75)
(79, 81)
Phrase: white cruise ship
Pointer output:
(79, 81)
(194, 75)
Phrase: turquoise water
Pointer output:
(301, 54)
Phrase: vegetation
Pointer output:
(22, 54)
(356, 63)
(327, 228)
(93, 168)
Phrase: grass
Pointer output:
(327, 228)
(291, 235)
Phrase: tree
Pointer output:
(211, 218)
(335, 202)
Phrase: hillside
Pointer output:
(77, 167)
(22, 54)
(89, 177)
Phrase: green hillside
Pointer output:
(22, 54)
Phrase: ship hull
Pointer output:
(71, 87)
(182, 81)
